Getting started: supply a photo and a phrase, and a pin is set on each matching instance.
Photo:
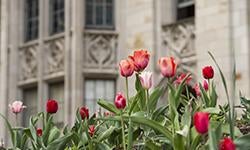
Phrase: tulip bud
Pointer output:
(52, 106)
(84, 112)
(140, 59)
(197, 89)
(39, 132)
(227, 144)
(126, 67)
(146, 79)
(167, 66)
(120, 101)
(205, 85)
(181, 78)
(201, 122)
(91, 130)
(208, 72)
(17, 107)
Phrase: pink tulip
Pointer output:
(120, 101)
(16, 107)
(146, 79)
(167, 66)
(140, 59)
(181, 77)
(197, 89)
(126, 67)
(205, 85)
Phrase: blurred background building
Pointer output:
(69, 49)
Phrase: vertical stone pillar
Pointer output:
(3, 63)
(76, 57)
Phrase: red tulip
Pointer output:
(126, 67)
(227, 144)
(84, 112)
(140, 59)
(181, 78)
(167, 66)
(201, 122)
(120, 101)
(52, 106)
(91, 130)
(208, 72)
(39, 132)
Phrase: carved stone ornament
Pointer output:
(178, 40)
(28, 62)
(100, 50)
(54, 56)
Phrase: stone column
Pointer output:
(3, 64)
(76, 57)
(67, 61)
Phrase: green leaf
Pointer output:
(105, 134)
(152, 145)
(242, 143)
(154, 97)
(144, 121)
(205, 98)
(212, 110)
(12, 135)
(109, 106)
(214, 134)
(60, 143)
(54, 134)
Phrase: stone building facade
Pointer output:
(69, 49)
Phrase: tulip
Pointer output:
(52, 106)
(140, 59)
(84, 112)
(126, 67)
(181, 78)
(197, 89)
(39, 132)
(227, 144)
(146, 80)
(167, 66)
(201, 122)
(17, 107)
(205, 85)
(120, 101)
(91, 130)
(208, 72)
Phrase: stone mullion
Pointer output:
(3, 62)
(67, 63)
(76, 49)
(42, 92)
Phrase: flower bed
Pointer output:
(191, 119)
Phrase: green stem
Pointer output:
(127, 90)
(147, 101)
(123, 133)
(130, 129)
(16, 120)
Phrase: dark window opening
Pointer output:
(185, 9)
(31, 20)
(99, 14)
(56, 16)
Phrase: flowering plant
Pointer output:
(190, 119)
